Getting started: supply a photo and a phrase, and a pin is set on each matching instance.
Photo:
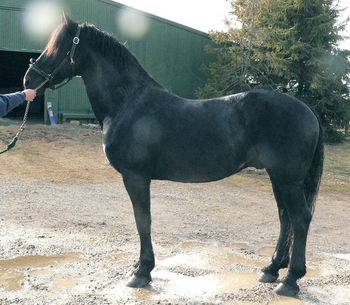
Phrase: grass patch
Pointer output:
(337, 165)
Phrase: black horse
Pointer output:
(149, 133)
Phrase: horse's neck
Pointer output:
(109, 89)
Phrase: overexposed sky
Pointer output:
(204, 15)
(201, 15)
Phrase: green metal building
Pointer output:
(172, 53)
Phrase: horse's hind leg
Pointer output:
(280, 258)
(300, 217)
(138, 188)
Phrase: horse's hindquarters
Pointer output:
(284, 133)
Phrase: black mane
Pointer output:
(108, 46)
(114, 51)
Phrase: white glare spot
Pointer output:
(41, 17)
(146, 131)
(132, 24)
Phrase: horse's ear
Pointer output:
(65, 18)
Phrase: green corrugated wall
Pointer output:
(173, 54)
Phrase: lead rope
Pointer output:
(13, 142)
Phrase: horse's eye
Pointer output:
(32, 61)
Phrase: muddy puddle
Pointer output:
(201, 272)
(14, 271)
(196, 273)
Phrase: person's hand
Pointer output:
(30, 94)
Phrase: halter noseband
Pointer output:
(70, 58)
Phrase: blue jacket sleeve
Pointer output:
(10, 101)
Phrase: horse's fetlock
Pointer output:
(144, 267)
(271, 269)
(294, 274)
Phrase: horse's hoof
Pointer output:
(267, 278)
(139, 281)
(287, 290)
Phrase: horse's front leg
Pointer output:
(138, 188)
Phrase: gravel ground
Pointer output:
(67, 233)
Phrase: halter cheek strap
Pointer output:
(76, 41)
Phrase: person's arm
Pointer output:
(10, 101)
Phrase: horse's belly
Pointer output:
(197, 168)
(194, 175)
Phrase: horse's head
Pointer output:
(57, 63)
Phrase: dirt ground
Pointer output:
(67, 233)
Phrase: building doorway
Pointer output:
(13, 66)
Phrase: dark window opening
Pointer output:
(13, 66)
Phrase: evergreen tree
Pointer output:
(285, 45)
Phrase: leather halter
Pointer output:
(68, 59)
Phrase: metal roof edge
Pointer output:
(4, 49)
(155, 17)
(11, 8)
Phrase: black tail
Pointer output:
(313, 178)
